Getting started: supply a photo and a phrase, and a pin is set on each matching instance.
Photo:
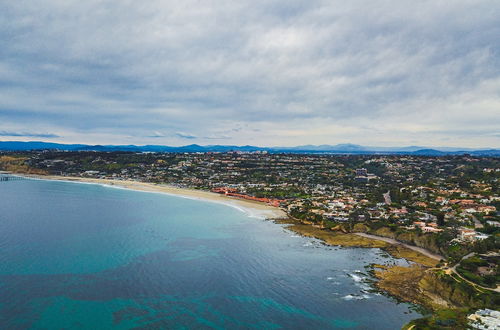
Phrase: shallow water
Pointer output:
(84, 256)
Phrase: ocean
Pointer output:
(86, 256)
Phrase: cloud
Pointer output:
(183, 135)
(217, 137)
(26, 134)
(156, 135)
(264, 72)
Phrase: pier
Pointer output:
(9, 177)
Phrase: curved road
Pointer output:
(431, 255)
(454, 270)
(395, 242)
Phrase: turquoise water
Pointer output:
(82, 256)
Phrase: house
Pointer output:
(487, 270)
(428, 229)
(467, 234)
(486, 209)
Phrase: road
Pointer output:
(395, 242)
(433, 256)
(477, 224)
(454, 270)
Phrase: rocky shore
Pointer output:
(423, 282)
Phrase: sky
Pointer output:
(266, 73)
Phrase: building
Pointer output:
(466, 234)
(361, 172)
(427, 229)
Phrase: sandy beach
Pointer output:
(253, 209)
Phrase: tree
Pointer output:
(440, 219)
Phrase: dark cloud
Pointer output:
(264, 72)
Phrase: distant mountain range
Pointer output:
(330, 149)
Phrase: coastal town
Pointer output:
(456, 196)
(446, 205)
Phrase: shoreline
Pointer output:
(423, 282)
(251, 208)
(404, 283)
(353, 239)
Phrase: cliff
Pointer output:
(429, 242)
(457, 292)
(433, 288)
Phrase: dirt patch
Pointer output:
(403, 283)
(400, 251)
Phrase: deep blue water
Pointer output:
(81, 256)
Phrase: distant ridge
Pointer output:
(346, 148)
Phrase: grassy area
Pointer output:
(11, 158)
(334, 237)
(486, 281)
(402, 282)
(469, 267)
(408, 254)
(17, 164)
(442, 319)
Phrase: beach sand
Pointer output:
(252, 208)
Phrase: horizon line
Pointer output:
(257, 146)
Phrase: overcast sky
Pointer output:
(268, 73)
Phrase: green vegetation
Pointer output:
(442, 319)
(481, 271)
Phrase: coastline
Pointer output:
(263, 211)
(144, 231)
(251, 208)
(418, 283)
(259, 210)
(393, 247)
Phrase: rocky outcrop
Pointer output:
(433, 288)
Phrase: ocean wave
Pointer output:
(361, 282)
(356, 297)
(357, 278)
